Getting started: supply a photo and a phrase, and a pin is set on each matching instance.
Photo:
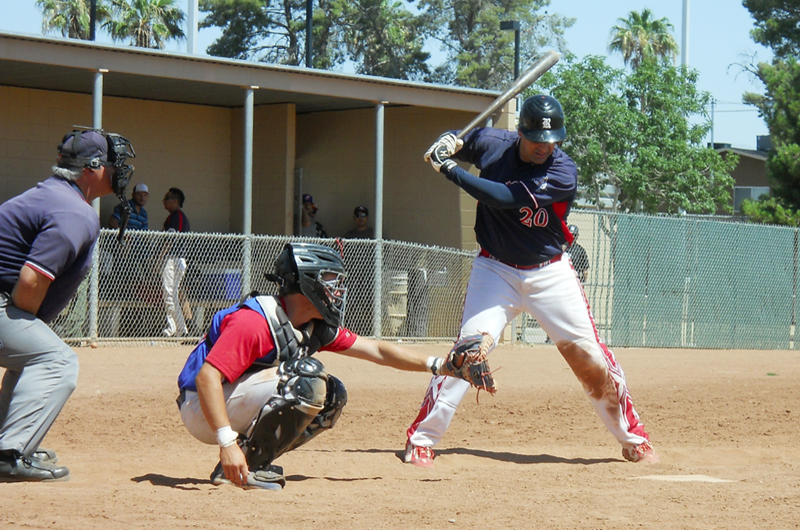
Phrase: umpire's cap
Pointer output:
(83, 149)
(542, 120)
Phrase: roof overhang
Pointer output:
(757, 155)
(32, 61)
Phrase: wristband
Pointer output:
(434, 364)
(226, 436)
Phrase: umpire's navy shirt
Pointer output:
(52, 229)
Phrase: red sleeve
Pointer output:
(244, 337)
(344, 341)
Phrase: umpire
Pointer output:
(47, 235)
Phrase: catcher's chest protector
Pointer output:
(287, 339)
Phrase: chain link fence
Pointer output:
(395, 290)
(687, 282)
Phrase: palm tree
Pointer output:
(70, 17)
(640, 37)
(145, 23)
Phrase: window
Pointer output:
(741, 193)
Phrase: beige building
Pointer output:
(312, 132)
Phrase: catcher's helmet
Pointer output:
(573, 229)
(317, 272)
(542, 120)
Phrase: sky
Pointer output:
(719, 39)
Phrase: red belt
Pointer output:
(522, 267)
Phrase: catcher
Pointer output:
(251, 385)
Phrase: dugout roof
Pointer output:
(62, 64)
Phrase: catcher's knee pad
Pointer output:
(335, 401)
(299, 399)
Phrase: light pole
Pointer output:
(513, 24)
(92, 18)
(309, 18)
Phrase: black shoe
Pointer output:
(29, 468)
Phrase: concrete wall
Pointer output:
(338, 163)
(200, 150)
(186, 146)
(273, 169)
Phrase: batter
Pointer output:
(526, 187)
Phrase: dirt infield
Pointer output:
(725, 423)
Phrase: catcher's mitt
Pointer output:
(468, 361)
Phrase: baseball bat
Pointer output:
(527, 78)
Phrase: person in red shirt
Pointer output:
(252, 386)
(174, 263)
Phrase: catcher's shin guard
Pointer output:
(326, 419)
(300, 398)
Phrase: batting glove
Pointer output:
(448, 144)
(440, 161)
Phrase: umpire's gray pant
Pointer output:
(41, 373)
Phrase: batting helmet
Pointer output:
(317, 272)
(542, 120)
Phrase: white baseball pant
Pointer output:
(553, 295)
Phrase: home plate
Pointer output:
(684, 478)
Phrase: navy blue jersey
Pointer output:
(528, 226)
(177, 222)
(52, 229)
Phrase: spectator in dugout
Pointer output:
(138, 216)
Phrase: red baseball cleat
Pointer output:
(418, 456)
(643, 452)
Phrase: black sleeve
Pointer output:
(490, 193)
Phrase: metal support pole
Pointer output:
(97, 114)
(247, 207)
(377, 324)
(713, 104)
(94, 274)
(685, 35)
(191, 28)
